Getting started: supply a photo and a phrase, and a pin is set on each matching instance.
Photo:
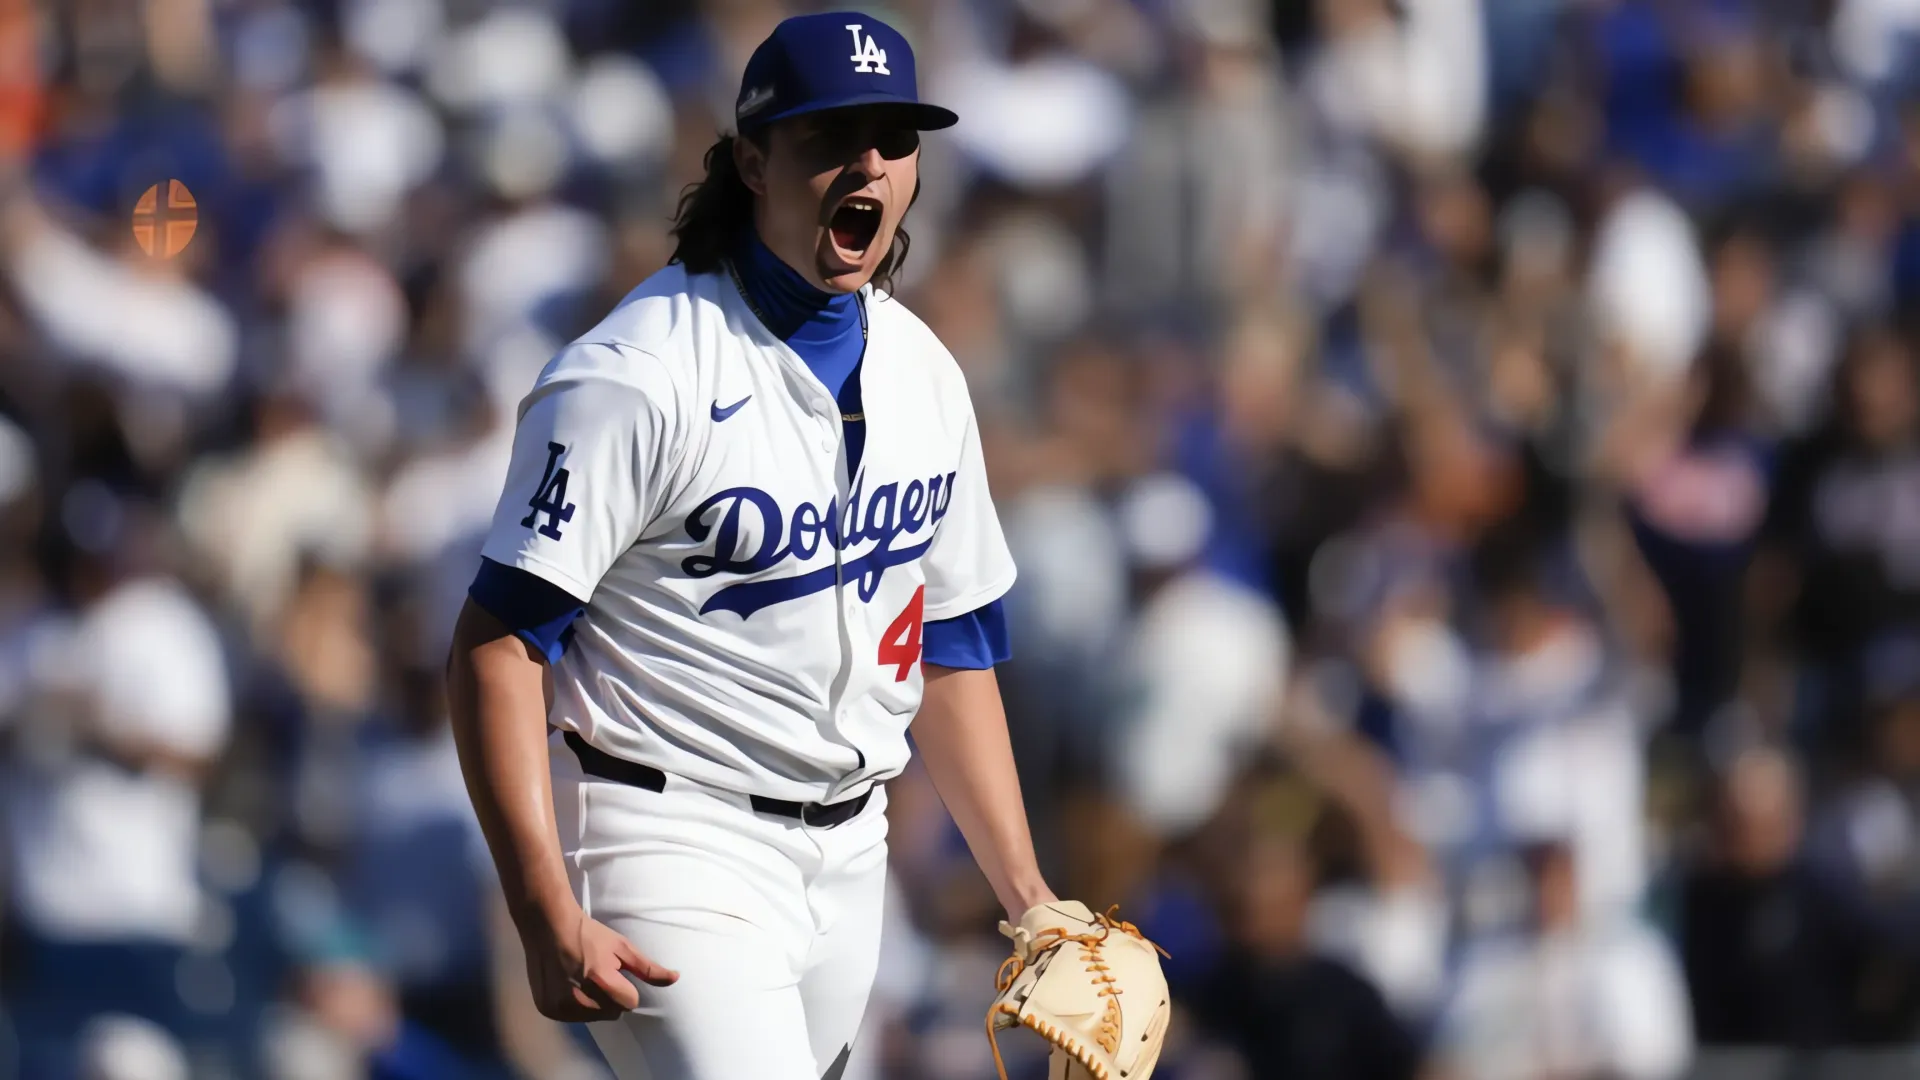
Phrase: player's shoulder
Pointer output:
(891, 314)
(648, 341)
(892, 317)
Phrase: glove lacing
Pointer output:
(1090, 944)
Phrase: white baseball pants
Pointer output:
(774, 926)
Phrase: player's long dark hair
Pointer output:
(715, 213)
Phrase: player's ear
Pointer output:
(750, 160)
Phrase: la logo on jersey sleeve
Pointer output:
(550, 497)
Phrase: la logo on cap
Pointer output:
(868, 56)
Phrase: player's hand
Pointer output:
(578, 969)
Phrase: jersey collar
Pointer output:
(789, 305)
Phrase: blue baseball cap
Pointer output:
(831, 61)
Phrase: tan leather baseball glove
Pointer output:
(1089, 984)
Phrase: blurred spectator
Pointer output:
(367, 140)
(1649, 286)
(1844, 532)
(1035, 112)
(20, 93)
(1226, 117)
(165, 335)
(1865, 839)
(292, 492)
(345, 1022)
(1289, 1011)
(1698, 498)
(1774, 952)
(1569, 995)
(1206, 664)
(126, 710)
(414, 869)
(128, 1048)
(1411, 75)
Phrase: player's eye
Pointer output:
(827, 147)
(896, 143)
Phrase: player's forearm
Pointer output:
(961, 733)
(497, 698)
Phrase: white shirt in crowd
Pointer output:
(102, 851)
(1604, 1000)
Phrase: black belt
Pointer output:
(597, 762)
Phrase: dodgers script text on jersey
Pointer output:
(883, 518)
(754, 610)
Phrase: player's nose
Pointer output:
(870, 164)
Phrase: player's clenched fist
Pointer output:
(578, 968)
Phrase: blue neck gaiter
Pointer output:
(824, 329)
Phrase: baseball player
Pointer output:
(744, 542)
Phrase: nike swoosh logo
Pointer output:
(720, 414)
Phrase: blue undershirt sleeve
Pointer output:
(538, 612)
(975, 640)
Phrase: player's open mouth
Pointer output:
(855, 223)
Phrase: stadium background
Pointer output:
(1463, 458)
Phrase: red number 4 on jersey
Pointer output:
(900, 645)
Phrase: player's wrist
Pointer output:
(550, 910)
(1024, 896)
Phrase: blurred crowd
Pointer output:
(1463, 458)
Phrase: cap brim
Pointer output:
(925, 117)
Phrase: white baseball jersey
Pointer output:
(753, 612)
